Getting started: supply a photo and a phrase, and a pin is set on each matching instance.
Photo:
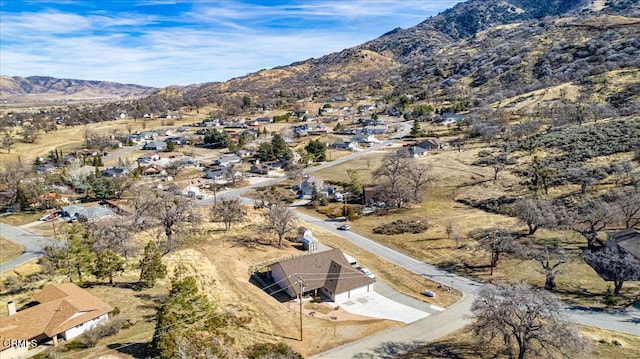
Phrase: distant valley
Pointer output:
(42, 89)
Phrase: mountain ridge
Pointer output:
(17, 87)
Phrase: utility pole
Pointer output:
(302, 285)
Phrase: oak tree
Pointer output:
(525, 321)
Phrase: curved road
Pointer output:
(33, 245)
(453, 318)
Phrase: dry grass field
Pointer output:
(10, 250)
(462, 344)
(455, 178)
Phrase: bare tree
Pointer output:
(400, 180)
(613, 265)
(7, 141)
(228, 211)
(174, 214)
(417, 176)
(114, 234)
(550, 258)
(526, 321)
(535, 214)
(627, 205)
(29, 134)
(498, 241)
(281, 219)
(11, 174)
(589, 218)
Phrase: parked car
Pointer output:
(428, 293)
(344, 227)
(46, 217)
(367, 272)
(199, 196)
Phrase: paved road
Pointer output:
(453, 318)
(33, 245)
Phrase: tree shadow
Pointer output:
(136, 286)
(134, 350)
(576, 293)
(415, 349)
(446, 350)
(465, 269)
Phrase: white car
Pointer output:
(367, 272)
(428, 293)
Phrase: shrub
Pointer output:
(111, 327)
(268, 350)
(400, 227)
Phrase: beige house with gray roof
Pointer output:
(327, 273)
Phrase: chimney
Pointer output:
(11, 307)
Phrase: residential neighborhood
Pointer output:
(462, 184)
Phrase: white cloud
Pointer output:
(207, 43)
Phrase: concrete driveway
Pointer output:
(378, 306)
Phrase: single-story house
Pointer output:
(365, 138)
(227, 160)
(152, 170)
(64, 312)
(244, 153)
(375, 129)
(85, 214)
(268, 168)
(154, 146)
(178, 140)
(149, 135)
(187, 162)
(115, 172)
(150, 156)
(317, 130)
(308, 183)
(413, 151)
(325, 272)
(449, 118)
(71, 210)
(433, 143)
(223, 173)
(342, 144)
(626, 240)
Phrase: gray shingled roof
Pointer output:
(327, 269)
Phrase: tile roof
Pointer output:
(62, 307)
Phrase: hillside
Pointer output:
(42, 88)
(475, 54)
(479, 51)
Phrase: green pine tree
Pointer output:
(108, 264)
(164, 344)
(415, 129)
(610, 299)
(355, 186)
(184, 307)
(151, 267)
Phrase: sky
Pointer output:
(163, 42)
